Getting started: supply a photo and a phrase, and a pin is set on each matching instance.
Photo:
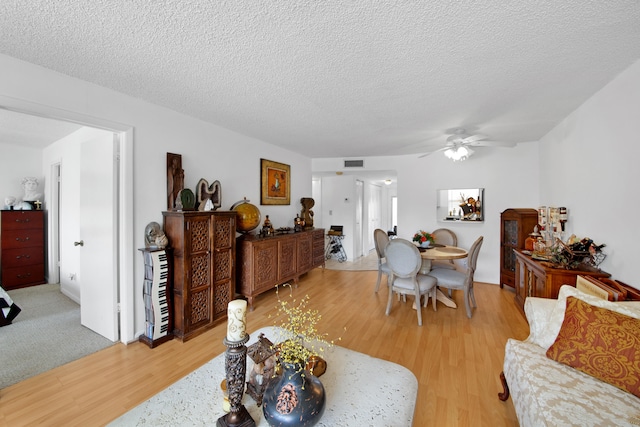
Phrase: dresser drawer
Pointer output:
(22, 238)
(17, 276)
(22, 256)
(20, 220)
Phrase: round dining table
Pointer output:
(440, 252)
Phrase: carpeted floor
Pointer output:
(47, 333)
(368, 262)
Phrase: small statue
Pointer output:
(30, 185)
(154, 237)
(307, 213)
(209, 196)
(9, 202)
(267, 228)
(175, 178)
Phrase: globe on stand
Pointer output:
(248, 216)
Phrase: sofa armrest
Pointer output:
(538, 312)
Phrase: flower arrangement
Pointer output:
(300, 340)
(422, 236)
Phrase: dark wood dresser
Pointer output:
(22, 248)
(538, 279)
(515, 226)
(204, 272)
(264, 262)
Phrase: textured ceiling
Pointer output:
(339, 78)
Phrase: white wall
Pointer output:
(508, 175)
(208, 151)
(335, 203)
(17, 162)
(589, 163)
(338, 207)
(577, 165)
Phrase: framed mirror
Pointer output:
(460, 204)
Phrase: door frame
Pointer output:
(125, 259)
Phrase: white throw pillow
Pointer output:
(548, 337)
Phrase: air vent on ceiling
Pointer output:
(354, 163)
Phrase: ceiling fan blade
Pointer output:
(493, 144)
(474, 138)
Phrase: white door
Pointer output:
(359, 217)
(374, 212)
(98, 236)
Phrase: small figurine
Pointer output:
(267, 228)
(307, 213)
(154, 237)
(209, 196)
(9, 202)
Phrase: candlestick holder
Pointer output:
(235, 361)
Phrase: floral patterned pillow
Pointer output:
(552, 327)
(600, 343)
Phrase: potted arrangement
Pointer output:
(294, 396)
(423, 238)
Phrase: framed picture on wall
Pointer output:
(275, 179)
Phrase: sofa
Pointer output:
(546, 392)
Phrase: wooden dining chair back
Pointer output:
(444, 236)
(381, 240)
(462, 280)
(404, 261)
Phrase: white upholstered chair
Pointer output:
(444, 236)
(463, 280)
(381, 240)
(403, 258)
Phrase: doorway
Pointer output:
(123, 256)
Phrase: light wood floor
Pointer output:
(456, 360)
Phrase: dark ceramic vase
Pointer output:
(294, 398)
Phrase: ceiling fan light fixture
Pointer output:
(459, 153)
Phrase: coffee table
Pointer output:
(361, 391)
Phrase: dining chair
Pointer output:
(381, 240)
(404, 260)
(463, 280)
(444, 236)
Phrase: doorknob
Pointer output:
(80, 243)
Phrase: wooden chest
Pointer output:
(22, 248)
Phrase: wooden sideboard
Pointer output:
(203, 268)
(22, 248)
(538, 279)
(264, 262)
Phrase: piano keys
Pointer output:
(157, 294)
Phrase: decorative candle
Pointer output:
(236, 320)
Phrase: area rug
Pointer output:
(45, 335)
(360, 390)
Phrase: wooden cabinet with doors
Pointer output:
(540, 279)
(203, 268)
(264, 262)
(515, 227)
(22, 248)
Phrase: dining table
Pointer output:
(437, 251)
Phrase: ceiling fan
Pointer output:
(457, 145)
